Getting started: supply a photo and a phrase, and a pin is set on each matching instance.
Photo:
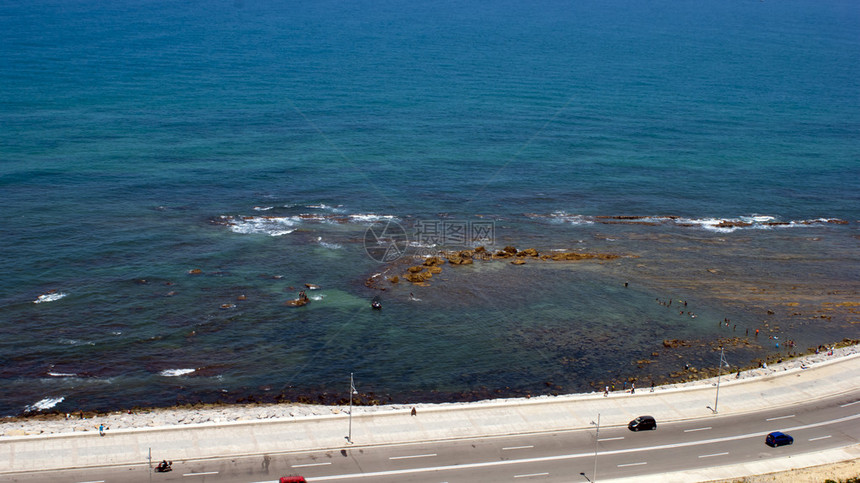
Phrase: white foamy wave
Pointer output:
(717, 225)
(265, 225)
(49, 297)
(370, 217)
(729, 225)
(61, 374)
(329, 245)
(76, 342)
(317, 297)
(263, 208)
(757, 218)
(46, 403)
(417, 244)
(323, 206)
(175, 372)
(563, 217)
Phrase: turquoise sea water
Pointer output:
(258, 141)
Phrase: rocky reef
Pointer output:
(421, 274)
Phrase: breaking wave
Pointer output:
(44, 404)
(51, 296)
(277, 224)
(176, 372)
(718, 225)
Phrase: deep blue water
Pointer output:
(131, 131)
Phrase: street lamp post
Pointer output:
(719, 374)
(351, 392)
(596, 441)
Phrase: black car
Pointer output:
(642, 422)
(777, 438)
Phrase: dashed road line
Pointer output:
(780, 417)
(543, 459)
(430, 455)
(698, 429)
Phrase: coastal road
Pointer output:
(557, 456)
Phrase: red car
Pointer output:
(293, 479)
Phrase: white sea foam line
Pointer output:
(204, 473)
(697, 429)
(849, 404)
(543, 459)
(531, 475)
(712, 455)
(310, 464)
(611, 439)
(430, 455)
(49, 297)
(517, 447)
(633, 464)
(46, 403)
(175, 372)
(780, 417)
(819, 438)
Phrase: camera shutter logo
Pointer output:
(385, 242)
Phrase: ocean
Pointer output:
(171, 173)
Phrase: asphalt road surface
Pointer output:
(561, 456)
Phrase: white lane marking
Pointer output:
(712, 455)
(590, 454)
(97, 481)
(632, 464)
(310, 464)
(818, 438)
(697, 429)
(780, 417)
(530, 475)
(611, 439)
(201, 474)
(412, 456)
(517, 447)
(849, 404)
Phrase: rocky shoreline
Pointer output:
(45, 424)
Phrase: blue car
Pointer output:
(776, 438)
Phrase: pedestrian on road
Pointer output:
(606, 391)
